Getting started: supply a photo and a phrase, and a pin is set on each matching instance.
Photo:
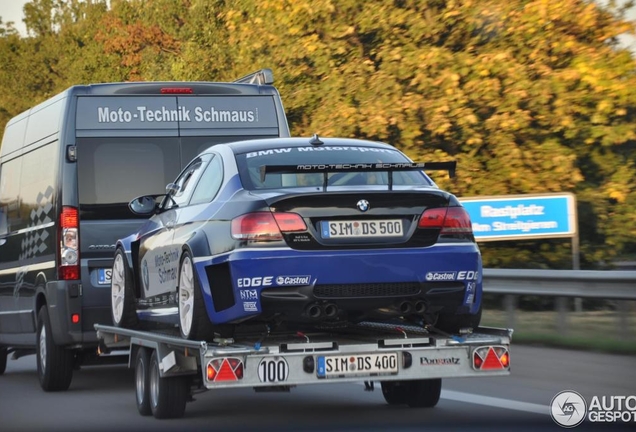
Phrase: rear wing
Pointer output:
(325, 169)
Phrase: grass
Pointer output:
(592, 330)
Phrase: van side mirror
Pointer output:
(144, 205)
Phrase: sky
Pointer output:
(11, 10)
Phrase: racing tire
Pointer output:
(3, 360)
(395, 392)
(453, 323)
(142, 381)
(423, 393)
(55, 363)
(194, 323)
(168, 395)
(122, 293)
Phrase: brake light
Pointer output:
(69, 268)
(266, 226)
(451, 220)
(290, 222)
(176, 90)
(225, 369)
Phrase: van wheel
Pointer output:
(55, 363)
(194, 322)
(395, 392)
(122, 293)
(168, 395)
(142, 381)
(3, 360)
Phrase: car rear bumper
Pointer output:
(247, 283)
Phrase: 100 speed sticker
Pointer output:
(273, 370)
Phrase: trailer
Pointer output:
(409, 362)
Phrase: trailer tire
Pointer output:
(395, 392)
(194, 323)
(142, 381)
(168, 395)
(122, 293)
(424, 393)
(3, 360)
(55, 363)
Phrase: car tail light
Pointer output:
(68, 233)
(265, 226)
(451, 220)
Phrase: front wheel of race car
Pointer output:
(122, 293)
(193, 317)
(450, 323)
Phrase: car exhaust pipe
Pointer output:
(314, 311)
(330, 310)
(406, 308)
(420, 307)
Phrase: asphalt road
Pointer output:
(102, 398)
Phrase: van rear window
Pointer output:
(114, 171)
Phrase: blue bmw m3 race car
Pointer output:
(319, 233)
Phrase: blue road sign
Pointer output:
(510, 217)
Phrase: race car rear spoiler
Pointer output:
(325, 169)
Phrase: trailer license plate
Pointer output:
(363, 364)
(361, 228)
(103, 276)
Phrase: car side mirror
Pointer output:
(144, 205)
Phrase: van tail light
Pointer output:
(68, 237)
(451, 220)
(266, 226)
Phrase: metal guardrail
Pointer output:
(564, 284)
(611, 285)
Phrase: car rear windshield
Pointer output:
(250, 164)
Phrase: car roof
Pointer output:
(264, 144)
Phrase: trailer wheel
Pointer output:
(142, 381)
(122, 293)
(424, 393)
(168, 395)
(3, 360)
(395, 392)
(194, 322)
(55, 363)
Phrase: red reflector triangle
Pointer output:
(492, 361)
(225, 372)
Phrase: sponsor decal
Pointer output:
(326, 150)
(144, 274)
(254, 281)
(251, 294)
(292, 280)
(440, 276)
(180, 114)
(250, 306)
(569, 409)
(427, 361)
(467, 275)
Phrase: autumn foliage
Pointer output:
(528, 96)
